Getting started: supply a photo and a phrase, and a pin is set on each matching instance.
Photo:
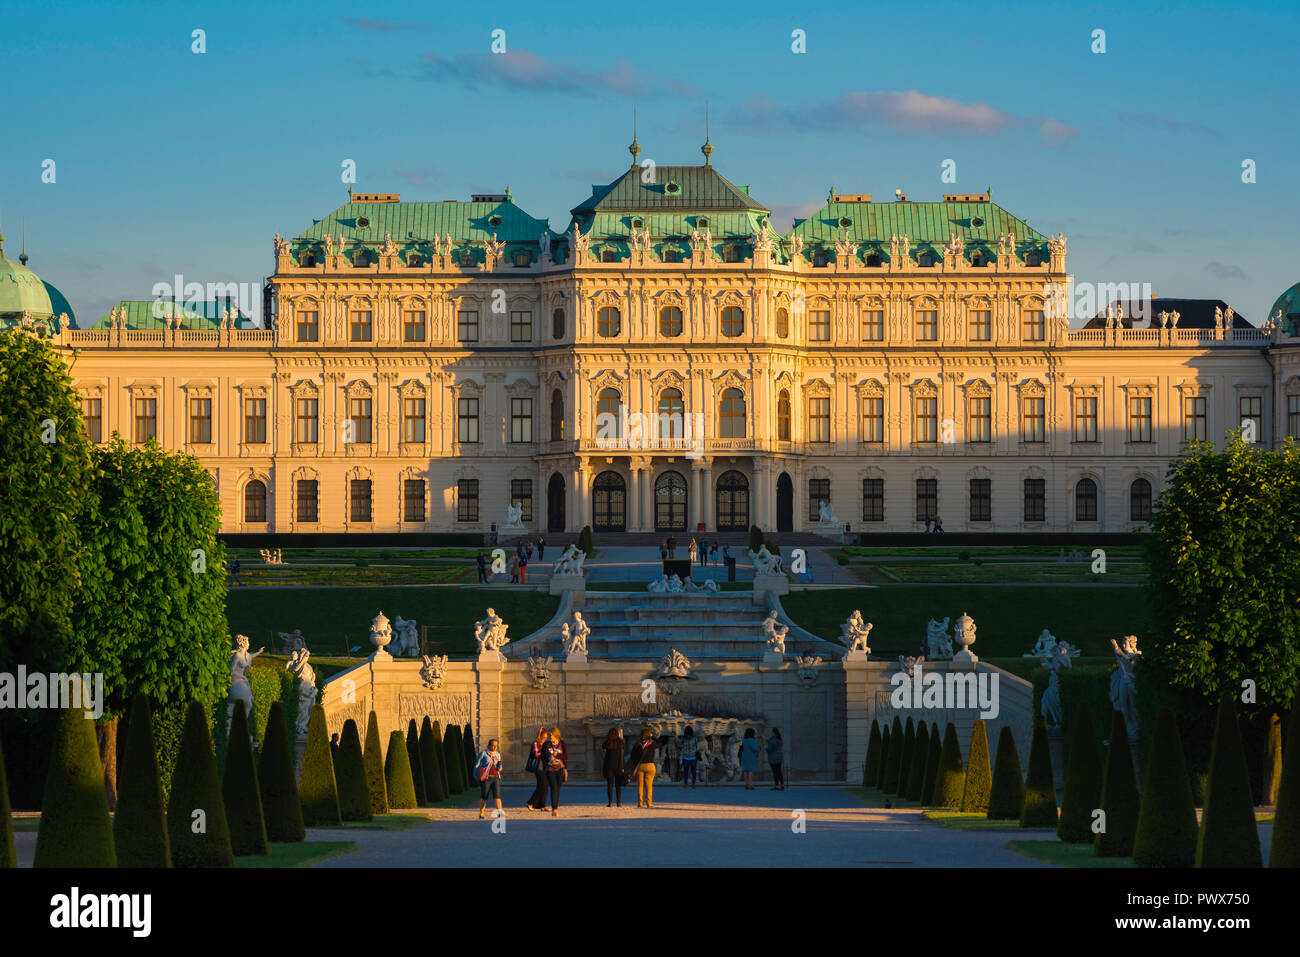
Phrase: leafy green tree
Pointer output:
(140, 824)
(1229, 836)
(920, 754)
(1040, 783)
(397, 773)
(75, 829)
(196, 815)
(239, 790)
(414, 760)
(979, 775)
(374, 760)
(1284, 851)
(350, 770)
(1007, 799)
(950, 784)
(1166, 826)
(1082, 780)
(281, 807)
(317, 790)
(894, 757)
(1119, 795)
(871, 766)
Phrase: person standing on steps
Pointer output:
(776, 758)
(690, 757)
(541, 548)
(692, 550)
(555, 757)
(642, 760)
(613, 769)
(537, 768)
(487, 772)
(672, 547)
(523, 568)
(749, 757)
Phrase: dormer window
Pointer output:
(819, 259)
(672, 189)
(637, 222)
(467, 258)
(702, 222)
(925, 260)
(522, 260)
(414, 260)
(873, 259)
(672, 255)
(362, 258)
(977, 258)
(1032, 258)
(731, 253)
(307, 259)
(609, 256)
(494, 220)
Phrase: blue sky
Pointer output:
(171, 162)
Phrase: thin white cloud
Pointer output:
(521, 70)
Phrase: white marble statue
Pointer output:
(937, 642)
(1044, 646)
(1123, 690)
(514, 516)
(291, 641)
(908, 663)
(1055, 659)
(490, 633)
(570, 562)
(658, 585)
(765, 563)
(240, 690)
(776, 633)
(433, 671)
(674, 665)
(854, 633)
(710, 587)
(675, 585)
(408, 637)
(307, 692)
(826, 514)
(575, 644)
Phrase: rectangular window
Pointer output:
(146, 420)
(927, 325)
(467, 326)
(309, 326)
(92, 411)
(927, 419)
(521, 420)
(981, 500)
(873, 419)
(255, 421)
(200, 421)
(981, 325)
(980, 425)
(819, 420)
(819, 490)
(1293, 416)
(413, 420)
(413, 321)
(305, 421)
(1139, 419)
(308, 501)
(873, 500)
(1194, 418)
(521, 492)
(1035, 327)
(873, 326)
(359, 490)
(819, 326)
(1035, 500)
(1085, 418)
(521, 326)
(1035, 419)
(413, 500)
(359, 413)
(927, 499)
(467, 500)
(467, 421)
(361, 325)
(1251, 408)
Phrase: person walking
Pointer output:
(541, 548)
(776, 758)
(512, 566)
(523, 569)
(537, 768)
(555, 757)
(690, 757)
(642, 760)
(938, 524)
(749, 757)
(234, 570)
(481, 561)
(663, 551)
(487, 772)
(613, 768)
(672, 547)
(334, 748)
(693, 550)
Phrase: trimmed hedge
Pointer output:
(871, 766)
(414, 760)
(75, 829)
(1040, 784)
(884, 757)
(350, 773)
(398, 782)
(584, 539)
(1166, 825)
(281, 807)
(951, 781)
(240, 791)
(1007, 796)
(1284, 851)
(894, 757)
(140, 824)
(197, 839)
(979, 774)
(909, 751)
(453, 753)
(1228, 836)
(317, 790)
(1119, 795)
(374, 762)
(435, 790)
(1082, 781)
(931, 767)
(920, 754)
(8, 855)
(470, 751)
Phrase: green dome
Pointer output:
(1289, 305)
(22, 291)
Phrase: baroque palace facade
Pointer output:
(669, 362)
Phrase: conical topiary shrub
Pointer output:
(140, 824)
(909, 749)
(470, 750)
(8, 854)
(1119, 795)
(397, 774)
(884, 757)
(196, 814)
(1228, 836)
(1284, 849)
(430, 755)
(417, 764)
(916, 769)
(979, 774)
(75, 830)
(444, 773)
(453, 754)
(1007, 798)
(1082, 780)
(894, 759)
(281, 807)
(1166, 825)
(871, 766)
(374, 761)
(350, 775)
(951, 782)
(931, 767)
(317, 789)
(240, 791)
(1040, 784)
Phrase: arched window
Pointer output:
(609, 321)
(557, 324)
(783, 416)
(731, 415)
(1085, 500)
(783, 323)
(670, 321)
(733, 321)
(557, 416)
(1139, 501)
(255, 501)
(608, 406)
(672, 414)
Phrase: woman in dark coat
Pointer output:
(538, 800)
(613, 767)
(555, 758)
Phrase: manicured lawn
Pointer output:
(333, 620)
(298, 854)
(1131, 573)
(974, 821)
(874, 797)
(1069, 855)
(1007, 618)
(347, 575)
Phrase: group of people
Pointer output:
(548, 762)
(701, 553)
(936, 522)
(517, 563)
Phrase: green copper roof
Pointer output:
(919, 222)
(22, 291)
(198, 315)
(1289, 305)
(696, 188)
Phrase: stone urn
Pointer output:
(964, 635)
(381, 634)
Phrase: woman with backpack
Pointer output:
(749, 757)
(690, 757)
(776, 758)
(487, 772)
(538, 800)
(555, 758)
(613, 768)
(642, 760)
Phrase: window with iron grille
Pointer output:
(308, 501)
(981, 500)
(1035, 500)
(1085, 500)
(521, 492)
(873, 500)
(467, 500)
(413, 500)
(927, 499)
(819, 490)
(359, 495)
(467, 420)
